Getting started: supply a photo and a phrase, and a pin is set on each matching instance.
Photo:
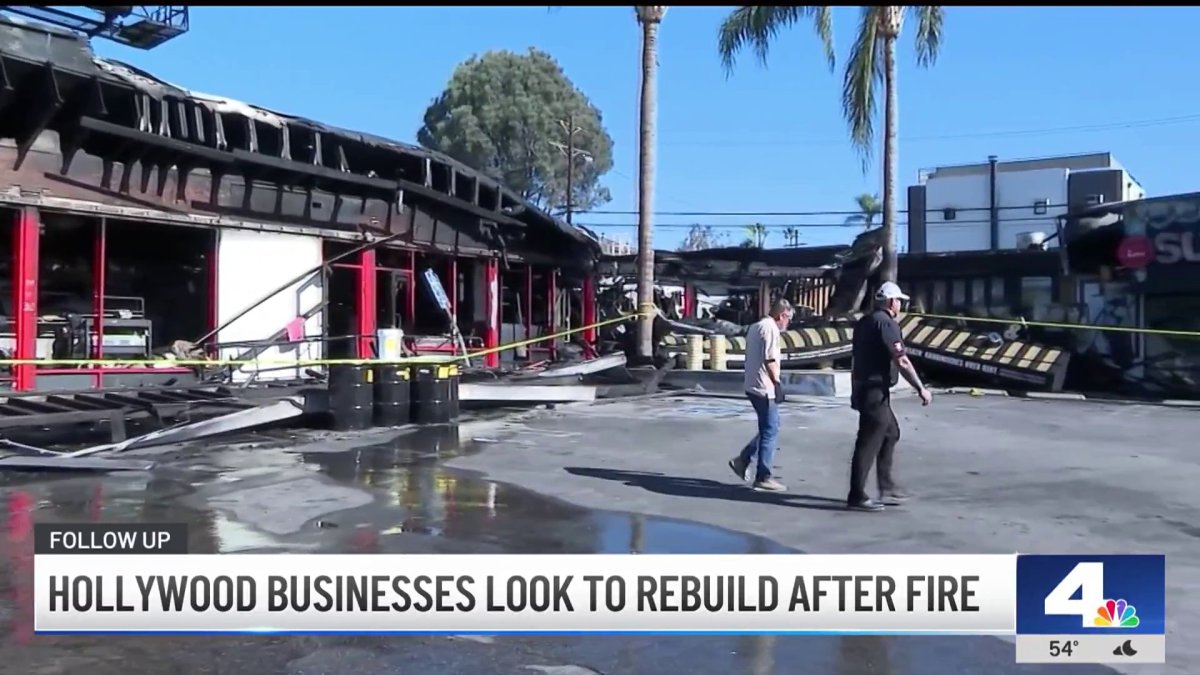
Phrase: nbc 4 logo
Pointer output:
(1087, 581)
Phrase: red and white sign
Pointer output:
(1135, 252)
(1165, 247)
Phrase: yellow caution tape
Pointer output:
(308, 363)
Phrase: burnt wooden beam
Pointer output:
(430, 193)
(72, 135)
(285, 150)
(182, 174)
(7, 86)
(52, 101)
(251, 135)
(164, 118)
(163, 173)
(209, 155)
(317, 174)
(150, 165)
(343, 165)
(198, 133)
(182, 128)
(318, 156)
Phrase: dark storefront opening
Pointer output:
(157, 286)
(67, 287)
(392, 287)
(341, 312)
(430, 318)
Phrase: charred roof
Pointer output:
(83, 97)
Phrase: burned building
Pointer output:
(142, 214)
(1137, 265)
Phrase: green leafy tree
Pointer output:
(872, 63)
(869, 209)
(510, 115)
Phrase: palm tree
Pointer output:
(869, 208)
(872, 62)
(649, 18)
(792, 236)
(756, 236)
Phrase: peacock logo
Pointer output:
(1116, 614)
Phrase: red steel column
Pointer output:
(491, 334)
(25, 295)
(589, 308)
(366, 304)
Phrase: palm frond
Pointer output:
(757, 28)
(868, 203)
(929, 33)
(864, 70)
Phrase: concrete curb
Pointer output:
(1054, 395)
(1179, 403)
(1066, 396)
(972, 391)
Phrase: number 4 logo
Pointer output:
(1086, 579)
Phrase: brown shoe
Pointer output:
(769, 485)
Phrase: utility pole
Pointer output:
(571, 152)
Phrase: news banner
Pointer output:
(140, 579)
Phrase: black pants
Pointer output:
(878, 433)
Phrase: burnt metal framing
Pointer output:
(162, 135)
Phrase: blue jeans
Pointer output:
(763, 443)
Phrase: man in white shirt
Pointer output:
(765, 391)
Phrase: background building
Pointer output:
(997, 205)
(615, 245)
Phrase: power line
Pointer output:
(1011, 133)
(765, 214)
(801, 226)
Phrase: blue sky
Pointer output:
(1014, 82)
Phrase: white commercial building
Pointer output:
(999, 205)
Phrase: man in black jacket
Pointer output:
(879, 360)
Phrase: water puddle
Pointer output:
(390, 493)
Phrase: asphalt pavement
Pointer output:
(991, 475)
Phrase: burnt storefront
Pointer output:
(1140, 260)
(137, 216)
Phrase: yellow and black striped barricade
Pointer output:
(800, 345)
(1016, 361)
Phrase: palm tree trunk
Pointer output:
(891, 123)
(646, 142)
